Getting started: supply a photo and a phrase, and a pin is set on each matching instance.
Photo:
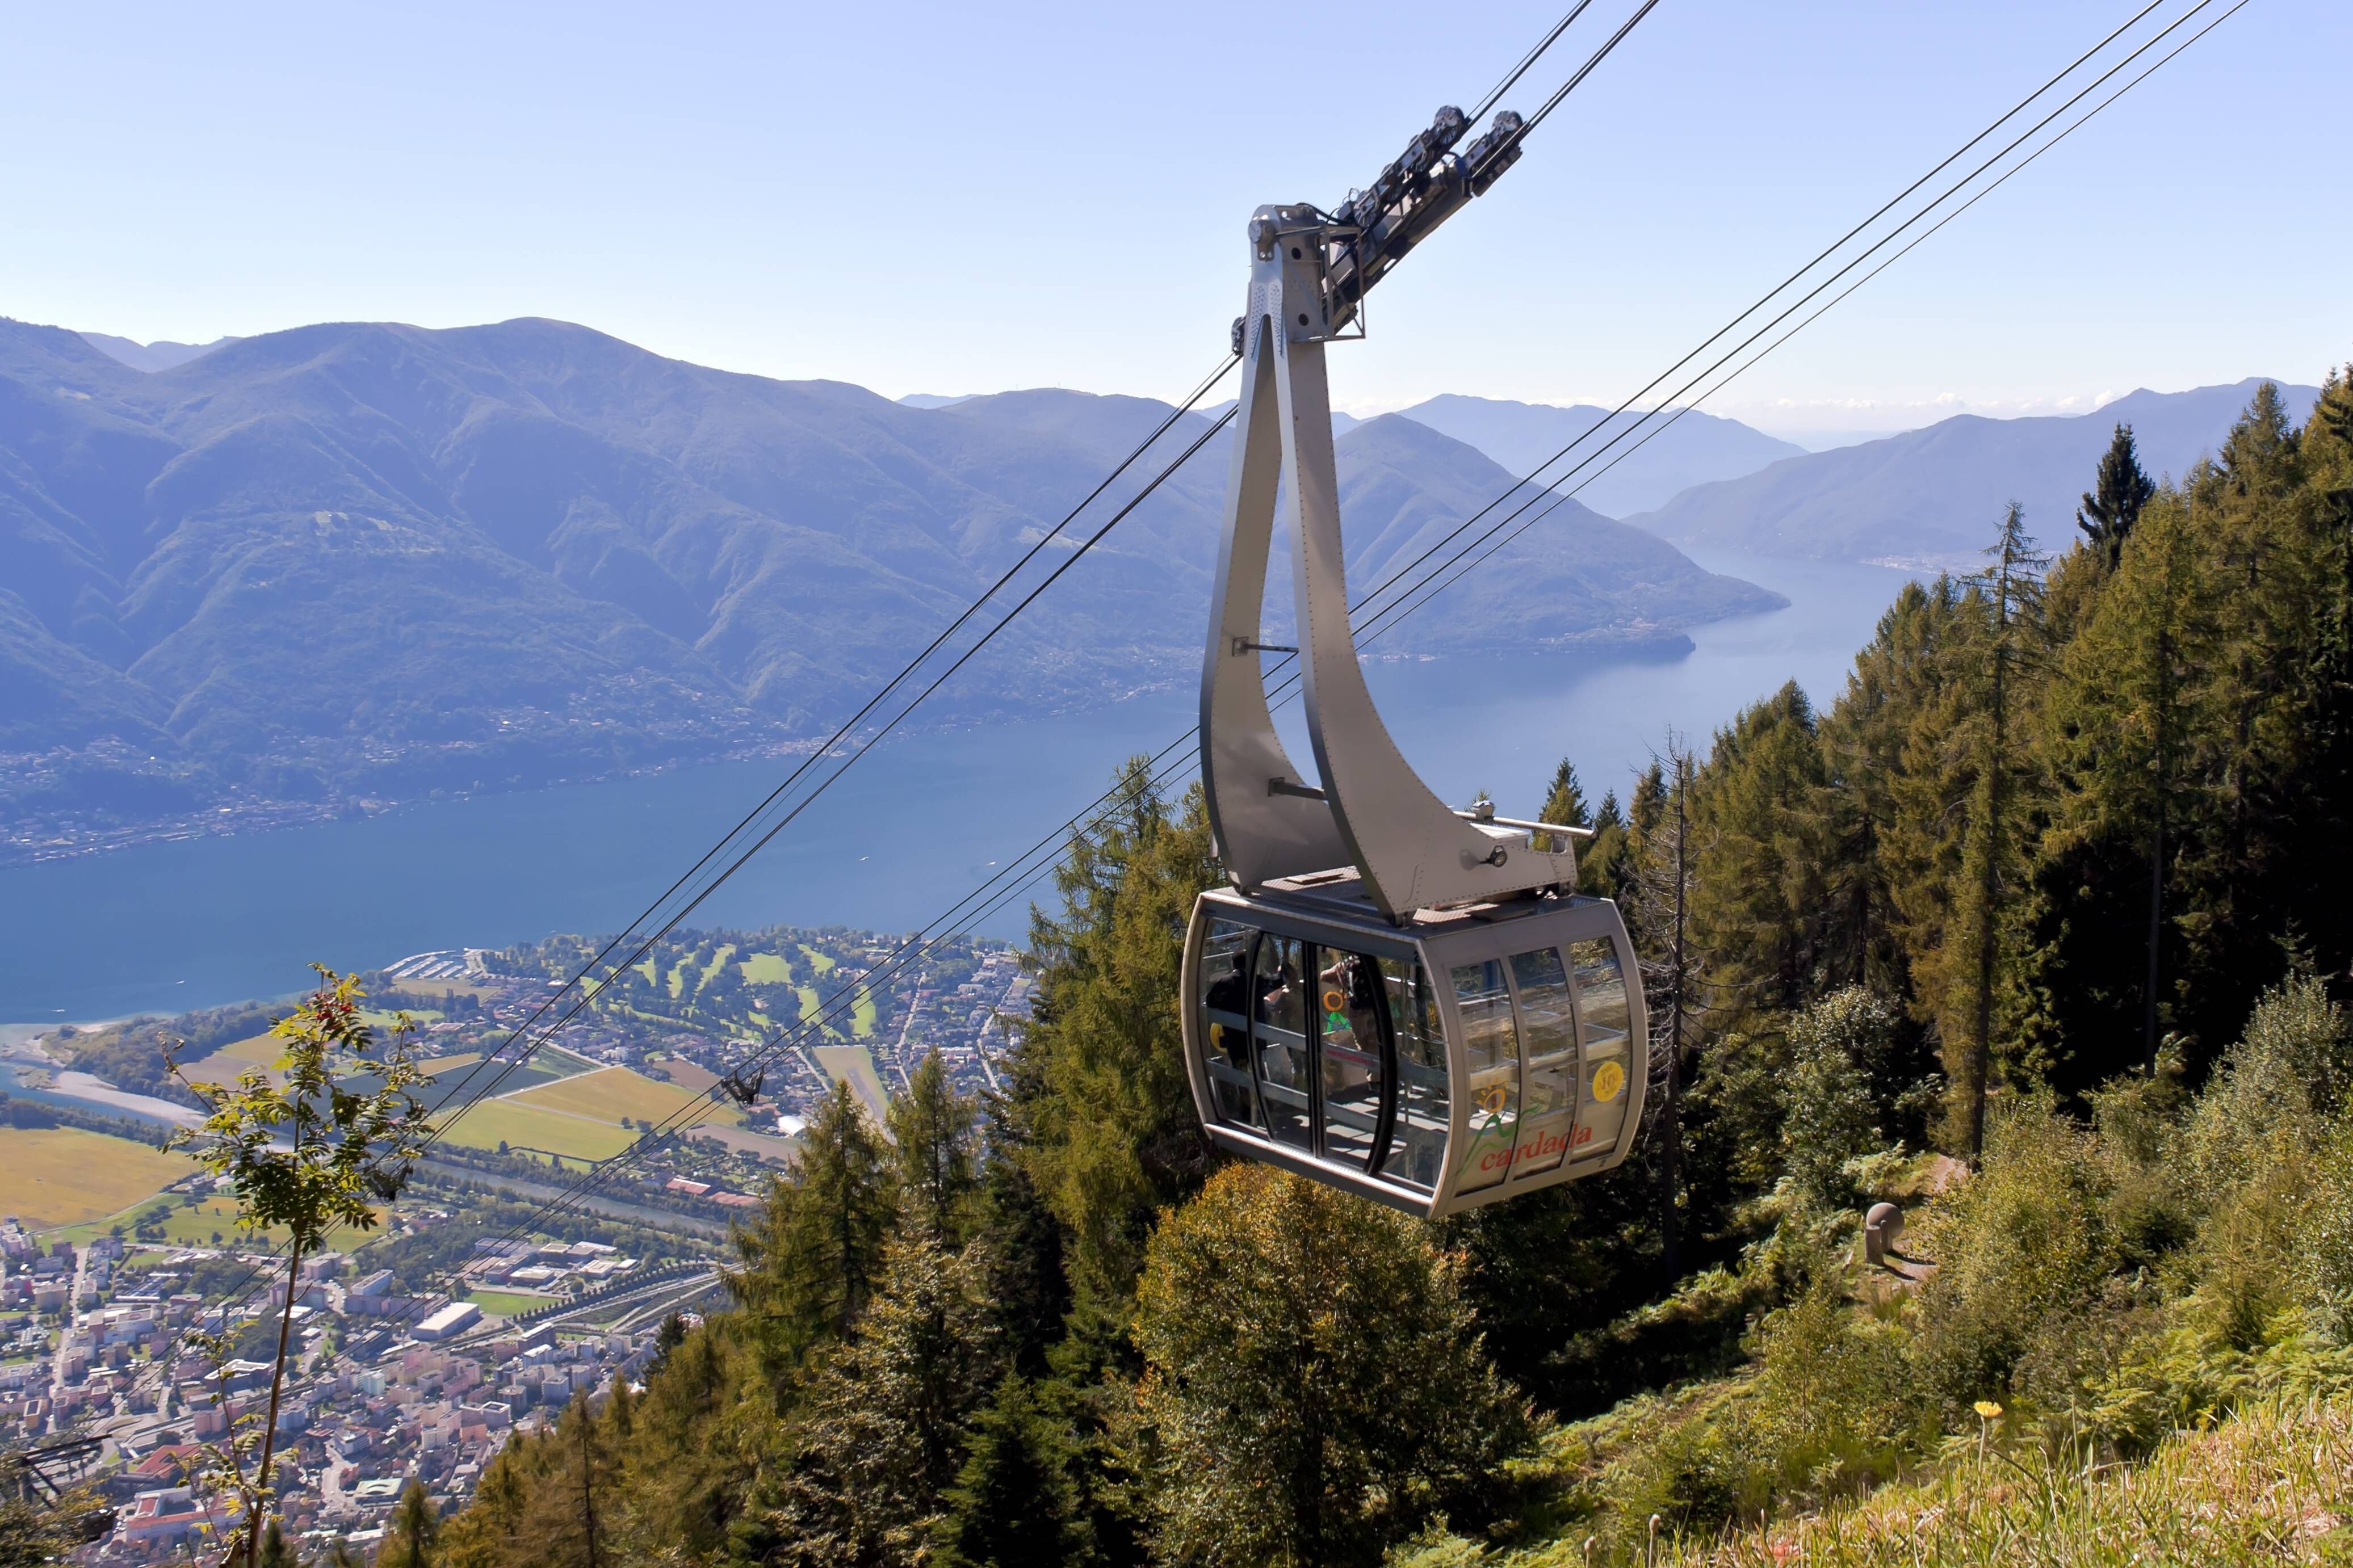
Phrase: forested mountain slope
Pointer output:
(364, 558)
(1902, 939)
(1923, 497)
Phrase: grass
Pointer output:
(608, 1095)
(2273, 1485)
(719, 960)
(854, 1065)
(819, 962)
(52, 1176)
(507, 1303)
(495, 1121)
(767, 969)
(862, 1015)
(191, 1226)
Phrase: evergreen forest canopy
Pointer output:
(1898, 949)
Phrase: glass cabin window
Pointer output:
(1549, 1100)
(1352, 1053)
(1491, 1045)
(1609, 1066)
(1281, 1037)
(1416, 1153)
(1225, 1022)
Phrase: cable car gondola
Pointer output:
(1396, 997)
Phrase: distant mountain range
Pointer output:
(1930, 498)
(361, 559)
(161, 354)
(1644, 469)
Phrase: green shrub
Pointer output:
(2026, 1239)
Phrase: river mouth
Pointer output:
(170, 926)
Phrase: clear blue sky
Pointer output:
(954, 198)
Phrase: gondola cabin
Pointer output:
(1471, 1055)
(1398, 998)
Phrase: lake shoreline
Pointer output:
(173, 925)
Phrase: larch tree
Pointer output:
(1668, 859)
(2011, 591)
(935, 1141)
(809, 1266)
(413, 1539)
(1111, 1132)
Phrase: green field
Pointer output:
(507, 1303)
(818, 961)
(854, 1065)
(194, 1226)
(862, 1015)
(608, 1095)
(719, 960)
(495, 1121)
(768, 969)
(53, 1176)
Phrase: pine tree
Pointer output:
(1565, 804)
(933, 1133)
(1014, 1504)
(275, 1553)
(1029, 1291)
(2113, 503)
(705, 1423)
(1605, 864)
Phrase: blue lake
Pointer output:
(914, 826)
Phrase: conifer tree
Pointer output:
(1564, 803)
(2012, 591)
(1760, 912)
(1669, 861)
(1313, 1386)
(933, 1133)
(570, 1519)
(415, 1534)
(2113, 503)
(810, 1264)
(881, 1437)
(697, 1434)
(1029, 1290)
(1014, 1504)
(1112, 1135)
(274, 1552)
(1605, 866)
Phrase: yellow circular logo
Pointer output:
(1609, 1081)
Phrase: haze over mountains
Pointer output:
(1644, 468)
(1930, 498)
(359, 560)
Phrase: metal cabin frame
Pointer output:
(1372, 812)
